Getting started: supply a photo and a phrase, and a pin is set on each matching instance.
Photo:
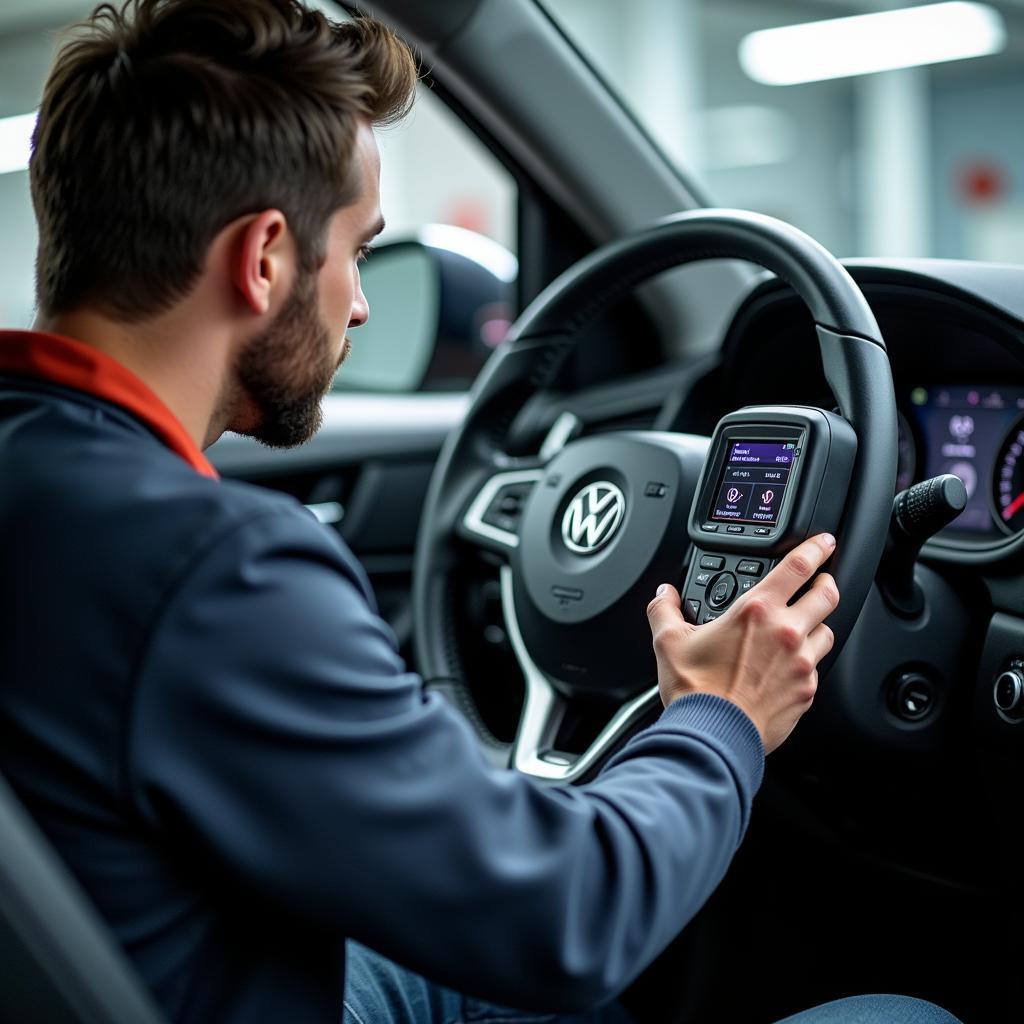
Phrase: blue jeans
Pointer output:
(380, 992)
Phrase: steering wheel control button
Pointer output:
(701, 578)
(721, 590)
(496, 513)
(564, 594)
(712, 562)
(709, 527)
(505, 508)
(734, 528)
(912, 697)
(750, 567)
(655, 490)
(691, 610)
(1008, 694)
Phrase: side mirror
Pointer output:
(440, 303)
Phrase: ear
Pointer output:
(264, 259)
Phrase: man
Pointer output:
(199, 704)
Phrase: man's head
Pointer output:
(166, 124)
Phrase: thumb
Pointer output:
(666, 610)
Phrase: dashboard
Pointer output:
(956, 345)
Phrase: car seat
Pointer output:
(59, 963)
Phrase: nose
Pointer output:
(360, 307)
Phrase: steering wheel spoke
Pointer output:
(492, 519)
(534, 750)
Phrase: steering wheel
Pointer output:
(574, 593)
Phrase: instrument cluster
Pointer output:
(975, 432)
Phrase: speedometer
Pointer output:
(1008, 481)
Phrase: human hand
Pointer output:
(762, 654)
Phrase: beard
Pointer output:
(286, 371)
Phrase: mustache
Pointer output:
(346, 351)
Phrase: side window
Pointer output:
(25, 55)
(440, 283)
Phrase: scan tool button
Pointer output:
(691, 610)
(750, 567)
(712, 562)
(721, 590)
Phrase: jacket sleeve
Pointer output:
(275, 727)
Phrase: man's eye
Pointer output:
(364, 252)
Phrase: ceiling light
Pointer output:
(16, 142)
(867, 43)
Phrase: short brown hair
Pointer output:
(164, 120)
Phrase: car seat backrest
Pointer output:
(58, 961)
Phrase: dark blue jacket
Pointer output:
(202, 709)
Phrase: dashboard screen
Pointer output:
(968, 431)
(753, 482)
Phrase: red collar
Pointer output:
(76, 365)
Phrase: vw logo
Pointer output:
(592, 517)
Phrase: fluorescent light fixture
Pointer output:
(16, 142)
(868, 43)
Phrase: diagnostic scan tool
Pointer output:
(773, 477)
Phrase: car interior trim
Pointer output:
(356, 426)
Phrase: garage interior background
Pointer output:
(926, 161)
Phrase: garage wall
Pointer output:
(979, 168)
(867, 165)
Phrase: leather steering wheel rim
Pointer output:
(853, 355)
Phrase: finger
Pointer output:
(820, 642)
(666, 617)
(817, 604)
(798, 567)
(667, 595)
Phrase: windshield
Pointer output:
(891, 135)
